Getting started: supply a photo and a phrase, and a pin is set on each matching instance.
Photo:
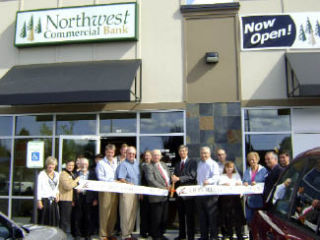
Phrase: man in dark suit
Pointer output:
(158, 175)
(271, 160)
(185, 173)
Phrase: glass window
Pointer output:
(168, 146)
(118, 123)
(80, 124)
(6, 126)
(23, 177)
(267, 120)
(161, 122)
(263, 143)
(4, 206)
(74, 147)
(22, 210)
(5, 156)
(39, 125)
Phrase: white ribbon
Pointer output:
(197, 190)
(117, 187)
(194, 190)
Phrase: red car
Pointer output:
(293, 206)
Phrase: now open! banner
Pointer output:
(295, 30)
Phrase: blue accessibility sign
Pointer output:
(35, 156)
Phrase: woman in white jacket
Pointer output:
(48, 193)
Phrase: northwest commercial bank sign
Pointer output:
(296, 30)
(114, 22)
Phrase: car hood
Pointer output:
(36, 232)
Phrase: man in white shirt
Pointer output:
(207, 173)
(108, 201)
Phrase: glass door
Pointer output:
(72, 146)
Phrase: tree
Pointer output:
(30, 29)
(317, 29)
(302, 35)
(309, 26)
(38, 27)
(30, 25)
(23, 32)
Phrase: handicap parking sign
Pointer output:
(35, 156)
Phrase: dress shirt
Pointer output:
(208, 170)
(47, 188)
(129, 171)
(106, 171)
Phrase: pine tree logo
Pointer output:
(302, 34)
(309, 30)
(29, 29)
(317, 32)
(23, 32)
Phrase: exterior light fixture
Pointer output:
(212, 57)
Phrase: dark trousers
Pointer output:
(159, 214)
(186, 207)
(208, 212)
(145, 215)
(49, 215)
(82, 217)
(65, 208)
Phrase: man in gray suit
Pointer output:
(158, 175)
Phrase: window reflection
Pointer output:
(22, 210)
(23, 177)
(162, 122)
(72, 148)
(5, 155)
(40, 125)
(4, 206)
(6, 126)
(263, 143)
(167, 145)
(306, 209)
(118, 123)
(80, 124)
(267, 120)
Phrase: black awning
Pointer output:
(74, 82)
(303, 74)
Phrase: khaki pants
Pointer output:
(108, 205)
(128, 213)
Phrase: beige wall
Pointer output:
(211, 82)
(159, 45)
(263, 72)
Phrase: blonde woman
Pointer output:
(48, 193)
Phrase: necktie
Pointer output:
(162, 174)
(181, 166)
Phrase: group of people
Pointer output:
(74, 210)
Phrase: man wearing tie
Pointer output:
(185, 173)
(158, 175)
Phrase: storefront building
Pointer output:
(182, 76)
